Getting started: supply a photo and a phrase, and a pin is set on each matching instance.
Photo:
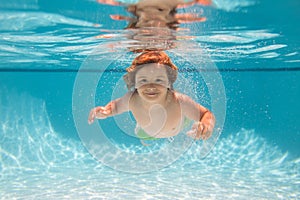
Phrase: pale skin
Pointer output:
(157, 109)
(158, 13)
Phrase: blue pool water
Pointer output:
(54, 67)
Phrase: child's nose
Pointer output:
(151, 86)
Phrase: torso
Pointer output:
(158, 121)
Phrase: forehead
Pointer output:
(152, 69)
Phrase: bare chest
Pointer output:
(159, 121)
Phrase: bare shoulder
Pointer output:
(186, 101)
(190, 108)
(122, 104)
(182, 98)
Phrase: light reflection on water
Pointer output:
(37, 162)
(57, 39)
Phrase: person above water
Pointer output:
(159, 110)
(157, 13)
(152, 24)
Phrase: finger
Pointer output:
(90, 121)
(200, 131)
(192, 133)
(96, 111)
(91, 116)
(195, 125)
(104, 111)
(204, 133)
(207, 135)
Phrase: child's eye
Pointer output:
(143, 81)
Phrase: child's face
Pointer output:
(152, 81)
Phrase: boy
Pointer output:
(159, 110)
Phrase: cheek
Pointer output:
(139, 85)
(140, 88)
(162, 88)
(164, 83)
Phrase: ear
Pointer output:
(169, 86)
(127, 81)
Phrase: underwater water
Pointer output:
(56, 65)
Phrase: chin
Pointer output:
(151, 98)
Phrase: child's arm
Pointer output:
(114, 107)
(204, 119)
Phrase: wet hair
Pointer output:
(148, 57)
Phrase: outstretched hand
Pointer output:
(99, 113)
(200, 131)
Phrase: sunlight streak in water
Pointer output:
(10, 20)
(36, 162)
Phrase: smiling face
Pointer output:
(157, 58)
(151, 82)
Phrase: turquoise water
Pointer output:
(245, 61)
